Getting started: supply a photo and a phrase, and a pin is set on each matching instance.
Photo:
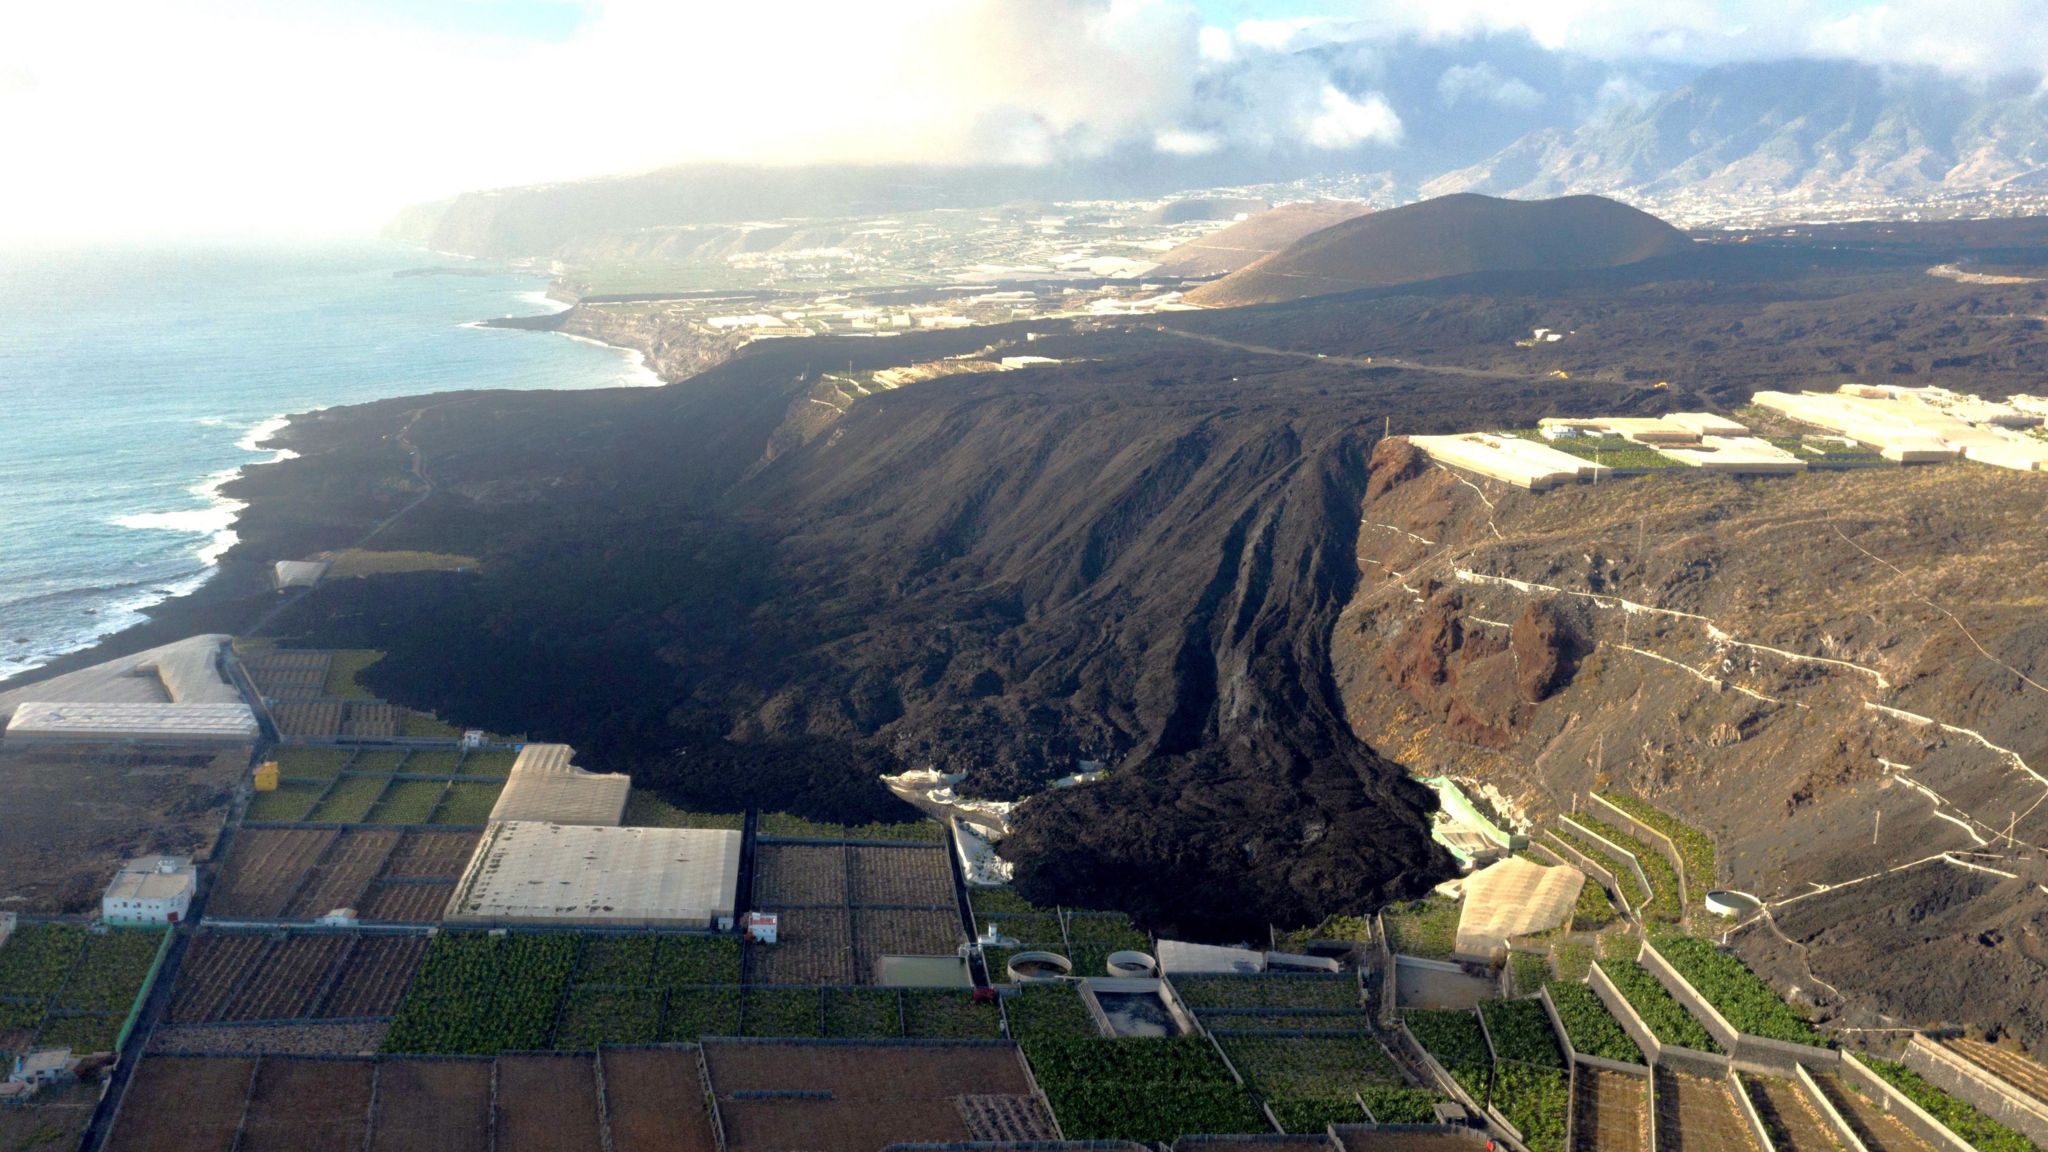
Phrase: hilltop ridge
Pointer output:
(1449, 236)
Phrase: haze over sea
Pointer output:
(135, 382)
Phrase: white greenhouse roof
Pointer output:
(1512, 898)
(144, 723)
(185, 672)
(545, 787)
(579, 874)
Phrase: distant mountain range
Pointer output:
(1814, 127)
(1495, 115)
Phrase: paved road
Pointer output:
(419, 470)
(1350, 361)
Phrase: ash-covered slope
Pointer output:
(1133, 556)
(1449, 236)
(1837, 675)
(1228, 249)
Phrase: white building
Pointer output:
(151, 890)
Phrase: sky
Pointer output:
(135, 120)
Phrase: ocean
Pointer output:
(134, 383)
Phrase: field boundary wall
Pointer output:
(1668, 847)
(1620, 853)
(1747, 1107)
(1844, 1131)
(1979, 1087)
(1911, 1114)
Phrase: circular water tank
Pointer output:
(1132, 964)
(1728, 902)
(1035, 967)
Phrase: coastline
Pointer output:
(223, 592)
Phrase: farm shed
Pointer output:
(297, 573)
(545, 787)
(527, 872)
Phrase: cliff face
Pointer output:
(1834, 674)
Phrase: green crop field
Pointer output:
(1592, 1028)
(289, 801)
(311, 763)
(406, 802)
(1978, 1130)
(784, 824)
(1425, 928)
(1739, 995)
(1666, 1018)
(1664, 902)
(1454, 1038)
(948, 1014)
(477, 994)
(350, 800)
(1048, 1011)
(1144, 1089)
(468, 802)
(1695, 848)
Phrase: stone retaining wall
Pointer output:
(1978, 1087)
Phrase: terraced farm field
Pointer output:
(547, 1104)
(340, 877)
(308, 1106)
(192, 1105)
(406, 903)
(815, 947)
(375, 977)
(900, 876)
(1879, 1130)
(426, 854)
(1611, 1112)
(654, 1102)
(433, 1106)
(2024, 1074)
(263, 870)
(292, 974)
(1699, 1115)
(211, 973)
(1790, 1119)
(800, 874)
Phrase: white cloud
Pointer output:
(1181, 142)
(1483, 83)
(237, 116)
(1346, 122)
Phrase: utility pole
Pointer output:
(1875, 824)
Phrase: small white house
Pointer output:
(762, 927)
(473, 739)
(150, 890)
